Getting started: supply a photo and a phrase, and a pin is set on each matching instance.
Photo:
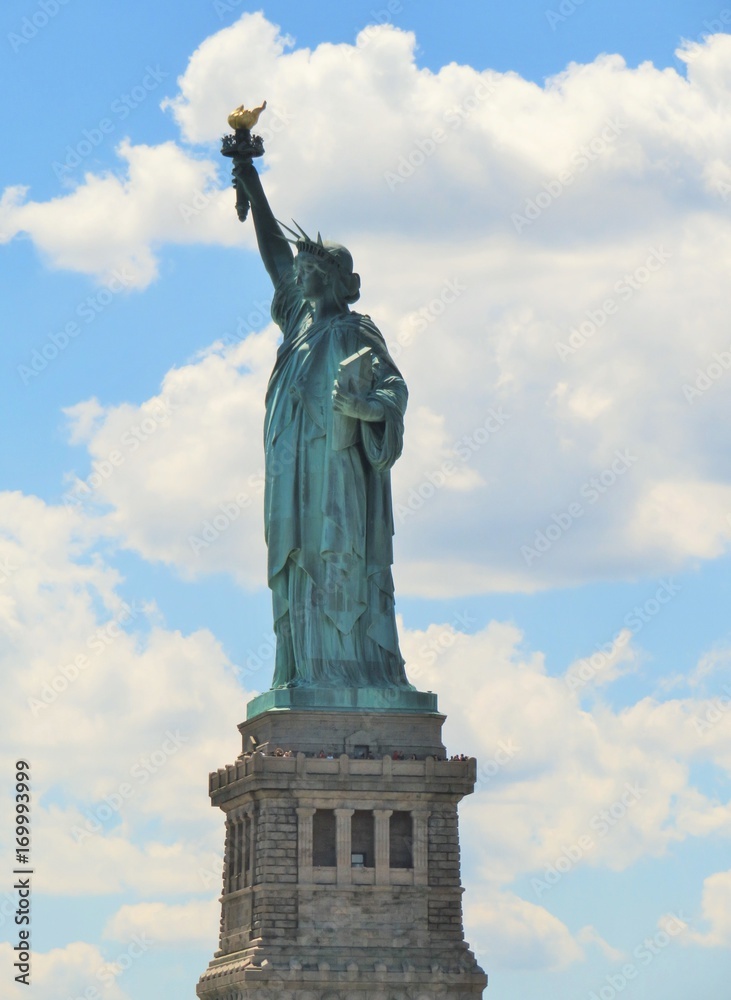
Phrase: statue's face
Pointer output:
(310, 278)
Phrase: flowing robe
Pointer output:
(328, 514)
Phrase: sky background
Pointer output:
(537, 199)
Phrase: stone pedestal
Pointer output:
(341, 874)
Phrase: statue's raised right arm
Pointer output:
(276, 253)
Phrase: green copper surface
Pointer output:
(364, 699)
(330, 442)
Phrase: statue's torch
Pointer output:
(242, 146)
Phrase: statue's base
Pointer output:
(357, 732)
(328, 699)
(443, 974)
(341, 875)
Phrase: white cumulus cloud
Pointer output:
(194, 923)
(557, 316)
(716, 908)
(71, 971)
(511, 933)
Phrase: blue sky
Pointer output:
(577, 194)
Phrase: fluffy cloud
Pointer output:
(613, 787)
(545, 262)
(513, 934)
(604, 666)
(98, 850)
(142, 712)
(557, 316)
(590, 935)
(716, 907)
(161, 198)
(73, 970)
(191, 923)
(150, 712)
(183, 473)
(572, 785)
(562, 784)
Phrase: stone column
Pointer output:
(239, 842)
(420, 847)
(251, 817)
(304, 843)
(235, 861)
(228, 853)
(383, 846)
(343, 845)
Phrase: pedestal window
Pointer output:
(401, 840)
(362, 839)
(324, 852)
(239, 853)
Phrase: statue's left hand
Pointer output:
(351, 404)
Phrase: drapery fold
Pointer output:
(328, 513)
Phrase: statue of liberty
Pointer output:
(330, 438)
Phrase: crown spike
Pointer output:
(304, 234)
(306, 245)
(285, 226)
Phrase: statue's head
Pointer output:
(332, 262)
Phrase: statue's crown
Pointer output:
(305, 244)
